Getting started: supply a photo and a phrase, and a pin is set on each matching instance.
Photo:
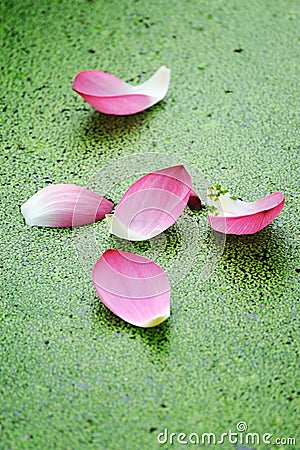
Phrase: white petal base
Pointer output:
(156, 321)
(117, 228)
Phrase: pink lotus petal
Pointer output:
(194, 201)
(132, 287)
(233, 216)
(65, 205)
(110, 95)
(152, 204)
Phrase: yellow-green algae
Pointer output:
(73, 376)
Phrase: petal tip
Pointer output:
(194, 202)
(117, 228)
(24, 212)
(156, 321)
(109, 220)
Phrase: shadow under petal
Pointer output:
(156, 339)
(100, 128)
(258, 259)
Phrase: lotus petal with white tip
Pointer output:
(133, 287)
(65, 205)
(230, 215)
(151, 204)
(111, 95)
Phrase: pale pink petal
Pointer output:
(194, 201)
(65, 205)
(233, 216)
(132, 287)
(110, 95)
(151, 204)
